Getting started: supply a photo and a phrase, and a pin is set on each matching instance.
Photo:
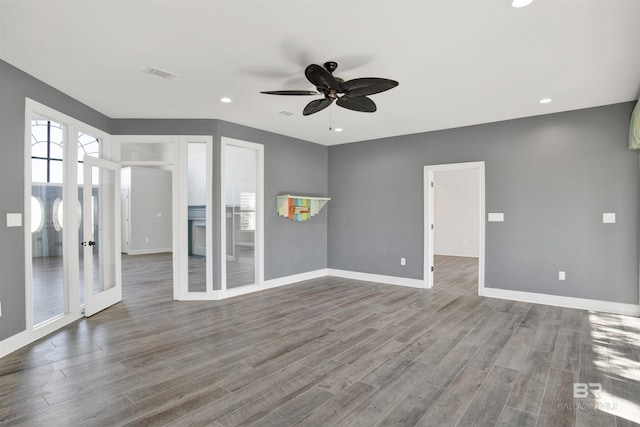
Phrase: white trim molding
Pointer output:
(15, 342)
(562, 301)
(147, 251)
(270, 284)
(379, 278)
(24, 338)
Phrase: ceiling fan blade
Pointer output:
(290, 92)
(316, 105)
(357, 103)
(321, 78)
(367, 86)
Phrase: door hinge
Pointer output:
(431, 184)
(432, 268)
(432, 226)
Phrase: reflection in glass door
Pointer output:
(48, 140)
(242, 196)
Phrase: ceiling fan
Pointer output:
(352, 94)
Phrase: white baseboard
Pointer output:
(568, 302)
(147, 251)
(380, 278)
(14, 343)
(270, 284)
(24, 338)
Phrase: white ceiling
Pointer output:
(458, 62)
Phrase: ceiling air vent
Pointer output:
(160, 73)
(286, 113)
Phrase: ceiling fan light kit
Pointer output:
(350, 94)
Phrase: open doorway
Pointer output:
(146, 228)
(454, 227)
(147, 215)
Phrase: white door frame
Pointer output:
(174, 164)
(259, 236)
(429, 217)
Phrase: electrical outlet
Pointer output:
(561, 275)
(146, 240)
(403, 261)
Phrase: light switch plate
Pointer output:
(609, 218)
(496, 217)
(14, 220)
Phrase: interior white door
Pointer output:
(430, 183)
(101, 240)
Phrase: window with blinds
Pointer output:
(247, 211)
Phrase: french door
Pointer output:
(101, 240)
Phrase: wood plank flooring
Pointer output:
(327, 352)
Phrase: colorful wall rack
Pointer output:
(299, 208)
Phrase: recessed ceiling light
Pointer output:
(337, 130)
(225, 100)
(545, 101)
(520, 3)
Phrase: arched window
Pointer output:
(47, 139)
(37, 214)
(58, 214)
(87, 146)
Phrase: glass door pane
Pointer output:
(101, 246)
(241, 198)
(196, 226)
(47, 220)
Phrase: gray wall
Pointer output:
(150, 194)
(15, 85)
(553, 177)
